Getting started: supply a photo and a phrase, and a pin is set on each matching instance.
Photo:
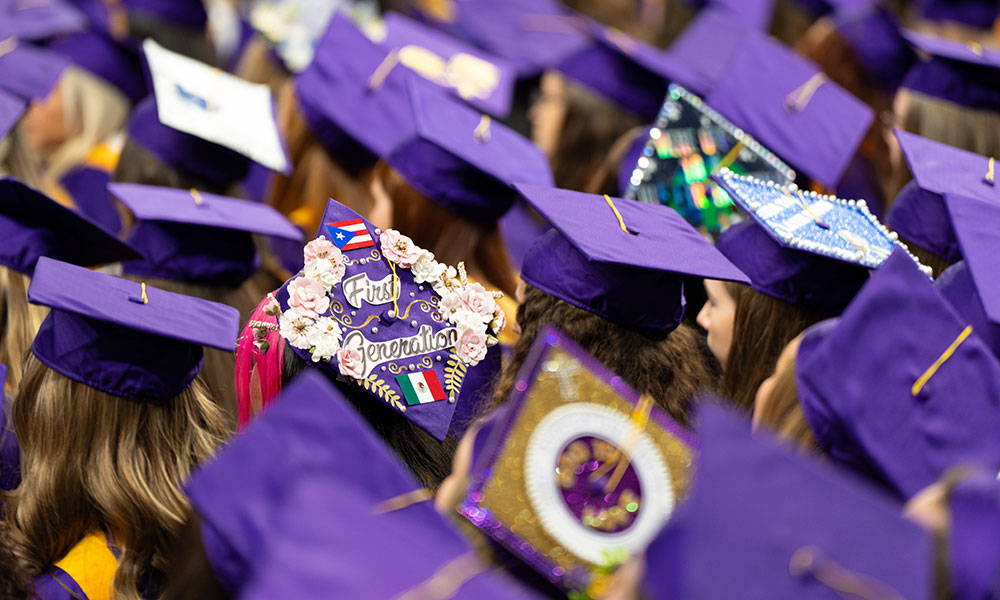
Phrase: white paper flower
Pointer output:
(324, 272)
(426, 269)
(499, 321)
(398, 248)
(451, 303)
(295, 328)
(324, 338)
(466, 319)
(451, 277)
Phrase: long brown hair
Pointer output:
(117, 468)
(19, 322)
(450, 237)
(672, 370)
(762, 326)
(782, 412)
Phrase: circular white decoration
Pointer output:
(566, 424)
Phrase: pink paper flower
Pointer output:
(399, 249)
(471, 346)
(479, 301)
(350, 363)
(307, 297)
(499, 321)
(321, 248)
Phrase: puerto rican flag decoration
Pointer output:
(422, 387)
(349, 235)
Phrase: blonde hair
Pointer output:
(94, 110)
(118, 468)
(19, 322)
(17, 160)
(975, 130)
(782, 413)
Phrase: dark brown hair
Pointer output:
(790, 22)
(762, 326)
(605, 179)
(672, 370)
(782, 412)
(926, 257)
(449, 236)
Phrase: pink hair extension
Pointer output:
(259, 362)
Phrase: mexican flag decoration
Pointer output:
(420, 388)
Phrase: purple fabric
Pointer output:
(187, 153)
(470, 175)
(819, 136)
(977, 225)
(89, 189)
(873, 34)
(184, 13)
(860, 181)
(816, 283)
(870, 420)
(630, 73)
(977, 13)
(57, 585)
(921, 218)
(107, 59)
(10, 450)
(941, 168)
(974, 540)
(11, 109)
(816, 8)
(402, 31)
(477, 393)
(30, 72)
(257, 183)
(520, 228)
(955, 72)
(231, 569)
(100, 333)
(726, 541)
(33, 225)
(310, 432)
(699, 65)
(39, 20)
(754, 13)
(959, 289)
(634, 280)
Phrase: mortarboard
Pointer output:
(551, 485)
(373, 309)
(918, 212)
(197, 237)
(189, 154)
(805, 248)
(754, 13)
(765, 522)
(28, 71)
(463, 160)
(791, 107)
(958, 287)
(921, 393)
(121, 337)
(624, 261)
(33, 225)
(107, 59)
(292, 27)
(699, 66)
(39, 20)
(206, 102)
(965, 73)
(183, 13)
(874, 35)
(484, 81)
(974, 537)
(977, 13)
(11, 109)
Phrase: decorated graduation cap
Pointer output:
(463, 160)
(195, 237)
(189, 154)
(918, 212)
(974, 536)
(204, 101)
(809, 249)
(763, 521)
(11, 109)
(791, 107)
(121, 337)
(689, 141)
(39, 20)
(977, 13)
(581, 473)
(292, 27)
(107, 59)
(920, 394)
(28, 71)
(484, 81)
(965, 73)
(33, 225)
(373, 309)
(624, 261)
(873, 34)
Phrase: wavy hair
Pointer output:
(19, 322)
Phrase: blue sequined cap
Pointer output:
(821, 224)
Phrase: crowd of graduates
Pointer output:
(597, 299)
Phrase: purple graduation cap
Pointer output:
(33, 225)
(484, 81)
(958, 287)
(792, 108)
(39, 20)
(354, 98)
(190, 154)
(977, 13)
(116, 64)
(11, 109)
(624, 261)
(121, 337)
(579, 472)
(183, 13)
(373, 309)
(899, 390)
(974, 537)
(463, 160)
(626, 71)
(699, 66)
(873, 34)
(918, 213)
(756, 14)
(195, 237)
(811, 250)
(765, 522)
(29, 71)
(965, 73)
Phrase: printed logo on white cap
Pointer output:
(216, 106)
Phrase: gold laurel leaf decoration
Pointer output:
(454, 375)
(380, 388)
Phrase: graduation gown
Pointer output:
(85, 573)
